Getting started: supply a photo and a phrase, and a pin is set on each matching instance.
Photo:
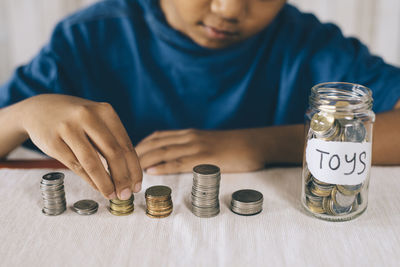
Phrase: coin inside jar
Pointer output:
(322, 122)
(341, 199)
(353, 131)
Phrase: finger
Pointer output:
(162, 134)
(152, 144)
(167, 153)
(89, 160)
(115, 125)
(62, 153)
(184, 164)
(105, 142)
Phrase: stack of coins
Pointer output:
(205, 190)
(53, 194)
(85, 207)
(247, 202)
(158, 201)
(122, 207)
(331, 199)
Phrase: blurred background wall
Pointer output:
(25, 25)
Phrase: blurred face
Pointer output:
(220, 23)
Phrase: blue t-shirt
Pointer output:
(125, 53)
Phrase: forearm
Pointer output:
(11, 134)
(280, 144)
(386, 138)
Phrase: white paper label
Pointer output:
(344, 163)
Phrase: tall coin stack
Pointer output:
(205, 190)
(247, 202)
(158, 201)
(122, 207)
(53, 194)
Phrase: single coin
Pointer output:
(247, 195)
(158, 216)
(206, 169)
(53, 176)
(354, 131)
(321, 190)
(315, 209)
(349, 190)
(158, 191)
(337, 210)
(123, 202)
(342, 200)
(322, 123)
(121, 213)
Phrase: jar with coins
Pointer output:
(337, 154)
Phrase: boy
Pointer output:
(122, 69)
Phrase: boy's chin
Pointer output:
(214, 44)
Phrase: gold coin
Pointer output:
(158, 191)
(325, 205)
(159, 209)
(158, 216)
(322, 122)
(315, 209)
(315, 180)
(308, 177)
(122, 209)
(120, 213)
(318, 191)
(122, 202)
(159, 204)
(153, 212)
(341, 112)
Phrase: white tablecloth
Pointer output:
(282, 235)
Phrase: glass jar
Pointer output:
(337, 154)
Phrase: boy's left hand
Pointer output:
(179, 151)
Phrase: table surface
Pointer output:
(282, 235)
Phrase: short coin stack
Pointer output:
(53, 194)
(247, 202)
(122, 207)
(85, 207)
(205, 190)
(158, 201)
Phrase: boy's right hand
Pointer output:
(74, 130)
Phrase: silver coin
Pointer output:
(85, 205)
(354, 131)
(338, 210)
(247, 195)
(53, 178)
(206, 169)
(247, 202)
(343, 200)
